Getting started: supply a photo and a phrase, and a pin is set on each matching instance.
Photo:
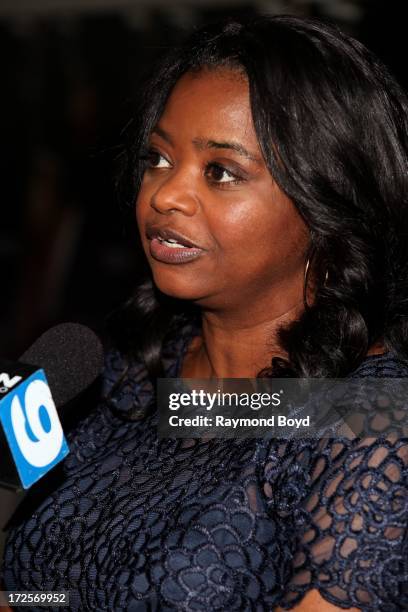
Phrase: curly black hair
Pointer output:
(332, 125)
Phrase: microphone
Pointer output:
(65, 359)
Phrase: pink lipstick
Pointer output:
(170, 246)
(171, 251)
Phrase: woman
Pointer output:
(269, 182)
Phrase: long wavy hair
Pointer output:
(332, 125)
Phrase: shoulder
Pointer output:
(128, 395)
(125, 391)
(126, 388)
(386, 365)
(348, 503)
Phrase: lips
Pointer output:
(170, 246)
(170, 235)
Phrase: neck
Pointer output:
(231, 347)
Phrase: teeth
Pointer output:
(173, 244)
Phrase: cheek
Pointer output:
(141, 210)
(258, 226)
(257, 236)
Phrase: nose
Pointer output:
(176, 193)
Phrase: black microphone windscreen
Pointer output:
(71, 356)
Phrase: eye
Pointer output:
(154, 159)
(220, 175)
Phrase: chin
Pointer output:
(179, 288)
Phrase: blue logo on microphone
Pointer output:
(32, 427)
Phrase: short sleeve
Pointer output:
(350, 522)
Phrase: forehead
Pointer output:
(209, 103)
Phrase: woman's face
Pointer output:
(237, 236)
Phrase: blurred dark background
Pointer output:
(70, 70)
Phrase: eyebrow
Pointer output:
(202, 144)
(235, 146)
(163, 134)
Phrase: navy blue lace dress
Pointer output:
(140, 524)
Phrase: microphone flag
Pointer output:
(32, 441)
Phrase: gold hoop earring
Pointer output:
(305, 284)
(307, 268)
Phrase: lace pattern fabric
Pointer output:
(139, 523)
